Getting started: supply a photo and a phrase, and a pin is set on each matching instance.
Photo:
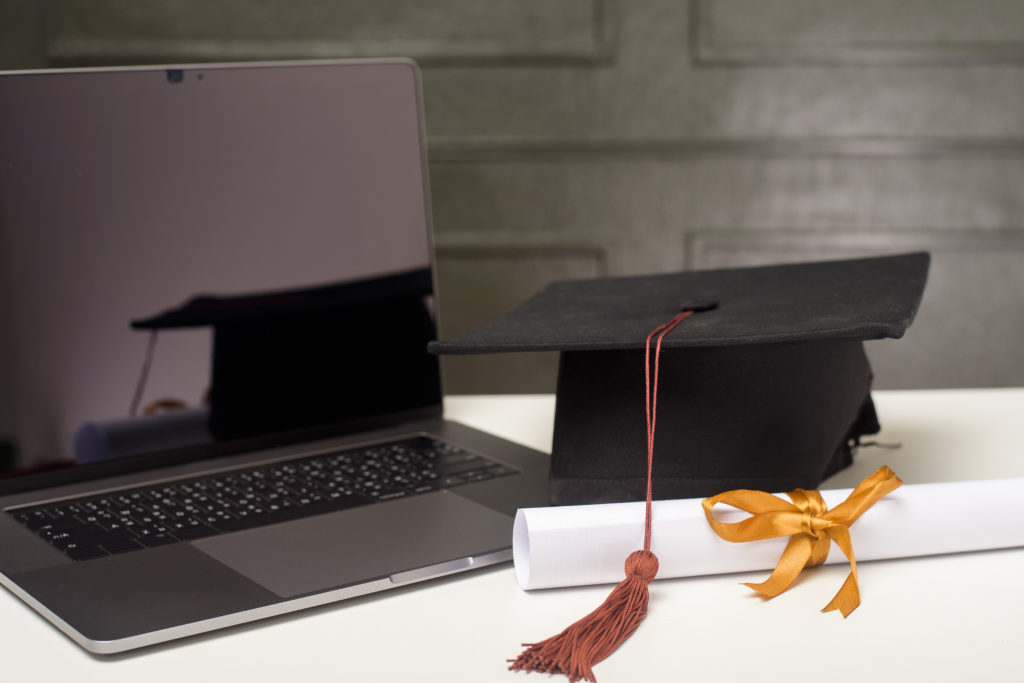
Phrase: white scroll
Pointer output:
(588, 544)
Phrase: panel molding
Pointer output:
(445, 149)
(707, 49)
(509, 244)
(572, 31)
(794, 244)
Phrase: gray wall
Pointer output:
(574, 138)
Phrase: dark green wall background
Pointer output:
(575, 138)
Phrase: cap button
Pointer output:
(698, 305)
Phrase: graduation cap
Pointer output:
(765, 386)
(295, 359)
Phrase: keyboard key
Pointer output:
(125, 546)
(457, 457)
(477, 475)
(154, 540)
(193, 532)
(388, 494)
(71, 531)
(85, 553)
(270, 494)
(40, 524)
(63, 542)
(466, 465)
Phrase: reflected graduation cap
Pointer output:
(766, 387)
(300, 358)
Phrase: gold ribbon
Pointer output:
(811, 525)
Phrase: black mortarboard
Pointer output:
(766, 387)
(309, 357)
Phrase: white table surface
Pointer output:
(946, 618)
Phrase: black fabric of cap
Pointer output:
(766, 387)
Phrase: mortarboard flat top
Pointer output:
(870, 298)
(766, 387)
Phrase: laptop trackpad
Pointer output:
(361, 544)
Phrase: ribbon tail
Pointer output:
(848, 597)
(794, 559)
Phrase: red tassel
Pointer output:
(591, 639)
(577, 649)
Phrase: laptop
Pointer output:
(216, 293)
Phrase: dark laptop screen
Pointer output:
(200, 257)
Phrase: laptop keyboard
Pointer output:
(133, 519)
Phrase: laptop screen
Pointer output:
(201, 258)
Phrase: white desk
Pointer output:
(948, 618)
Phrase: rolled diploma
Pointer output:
(588, 544)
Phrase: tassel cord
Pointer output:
(651, 403)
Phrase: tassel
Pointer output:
(577, 649)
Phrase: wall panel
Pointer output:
(578, 138)
(527, 30)
(866, 32)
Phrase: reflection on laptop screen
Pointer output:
(194, 257)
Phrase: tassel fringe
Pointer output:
(578, 648)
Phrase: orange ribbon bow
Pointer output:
(812, 526)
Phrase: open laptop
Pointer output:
(216, 292)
